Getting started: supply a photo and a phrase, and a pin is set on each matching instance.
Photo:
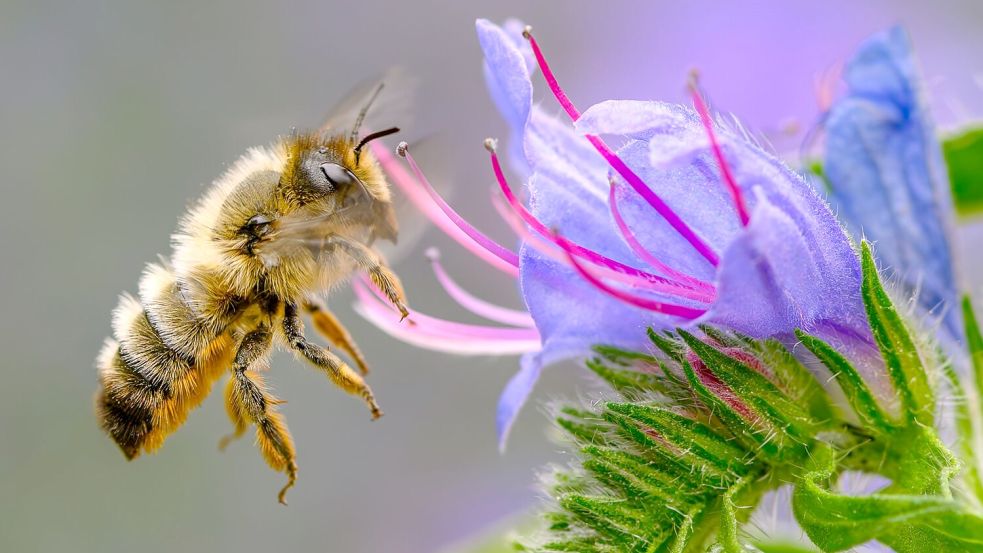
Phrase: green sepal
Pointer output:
(755, 390)
(694, 442)
(623, 357)
(582, 425)
(656, 452)
(859, 396)
(629, 382)
(798, 382)
(670, 347)
(901, 357)
(638, 477)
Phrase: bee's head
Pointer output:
(332, 180)
(322, 175)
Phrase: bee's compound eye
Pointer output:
(257, 225)
(337, 176)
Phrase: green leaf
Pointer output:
(783, 547)
(854, 388)
(974, 342)
(969, 412)
(964, 158)
(907, 523)
(897, 347)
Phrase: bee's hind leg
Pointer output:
(340, 373)
(236, 415)
(331, 328)
(248, 400)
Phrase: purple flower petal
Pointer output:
(515, 394)
(768, 283)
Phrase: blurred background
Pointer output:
(115, 114)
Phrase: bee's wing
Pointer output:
(393, 106)
(391, 96)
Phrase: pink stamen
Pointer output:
(825, 85)
(718, 153)
(653, 199)
(505, 263)
(476, 305)
(365, 290)
(632, 299)
(646, 255)
(433, 333)
(624, 273)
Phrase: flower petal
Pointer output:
(885, 169)
(770, 283)
(506, 73)
(515, 394)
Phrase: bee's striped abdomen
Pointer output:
(126, 402)
(160, 366)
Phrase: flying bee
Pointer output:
(283, 225)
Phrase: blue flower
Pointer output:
(704, 207)
(886, 175)
(688, 221)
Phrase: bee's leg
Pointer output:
(331, 328)
(370, 262)
(238, 418)
(341, 374)
(248, 400)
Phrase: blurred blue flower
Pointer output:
(887, 178)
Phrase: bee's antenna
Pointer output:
(364, 111)
(372, 136)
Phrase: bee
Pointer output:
(281, 227)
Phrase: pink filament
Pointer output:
(718, 153)
(671, 217)
(638, 301)
(646, 255)
(625, 273)
(476, 305)
(505, 262)
(438, 334)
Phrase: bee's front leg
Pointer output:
(369, 261)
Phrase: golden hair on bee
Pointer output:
(272, 235)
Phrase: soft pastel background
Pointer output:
(114, 114)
